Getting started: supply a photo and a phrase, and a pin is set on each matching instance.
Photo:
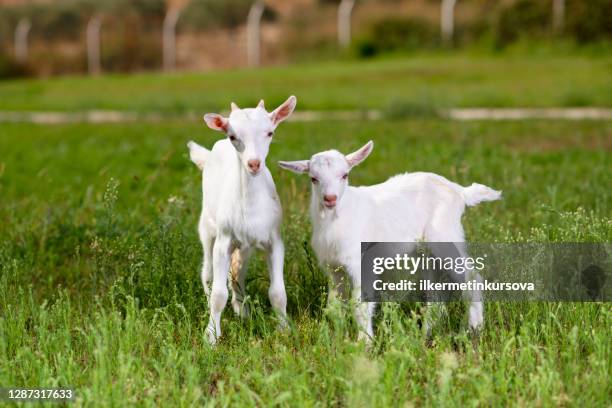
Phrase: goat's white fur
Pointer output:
(409, 207)
(240, 208)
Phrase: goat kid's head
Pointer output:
(329, 172)
(251, 130)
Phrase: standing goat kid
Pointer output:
(409, 207)
(240, 208)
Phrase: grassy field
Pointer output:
(99, 255)
(446, 80)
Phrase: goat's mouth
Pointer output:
(329, 204)
(252, 172)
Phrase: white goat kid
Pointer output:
(409, 207)
(240, 208)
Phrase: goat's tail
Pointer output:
(198, 154)
(477, 193)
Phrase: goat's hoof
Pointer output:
(427, 330)
(476, 317)
(364, 337)
(211, 338)
(283, 323)
(241, 309)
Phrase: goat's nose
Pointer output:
(330, 198)
(254, 165)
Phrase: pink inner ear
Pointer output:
(220, 123)
(358, 156)
(281, 113)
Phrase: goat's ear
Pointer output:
(360, 155)
(300, 166)
(216, 122)
(282, 112)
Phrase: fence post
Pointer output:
(558, 15)
(21, 40)
(345, 10)
(93, 45)
(169, 38)
(254, 32)
(447, 20)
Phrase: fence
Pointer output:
(253, 28)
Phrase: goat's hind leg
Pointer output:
(338, 286)
(457, 250)
(476, 309)
(463, 273)
(445, 239)
(238, 270)
(435, 308)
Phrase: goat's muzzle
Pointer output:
(254, 166)
(329, 200)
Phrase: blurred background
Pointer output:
(57, 37)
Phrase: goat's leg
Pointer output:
(219, 293)
(457, 249)
(207, 241)
(434, 310)
(276, 292)
(338, 287)
(238, 270)
(443, 237)
(476, 309)
(364, 311)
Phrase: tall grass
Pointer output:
(99, 260)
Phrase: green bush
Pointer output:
(219, 13)
(129, 47)
(9, 68)
(525, 18)
(50, 21)
(589, 21)
(131, 39)
(67, 19)
(397, 34)
(585, 21)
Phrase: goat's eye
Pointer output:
(232, 138)
(345, 176)
(270, 134)
(314, 180)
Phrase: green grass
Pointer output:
(99, 260)
(424, 81)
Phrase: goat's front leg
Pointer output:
(276, 292)
(207, 241)
(219, 293)
(364, 311)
